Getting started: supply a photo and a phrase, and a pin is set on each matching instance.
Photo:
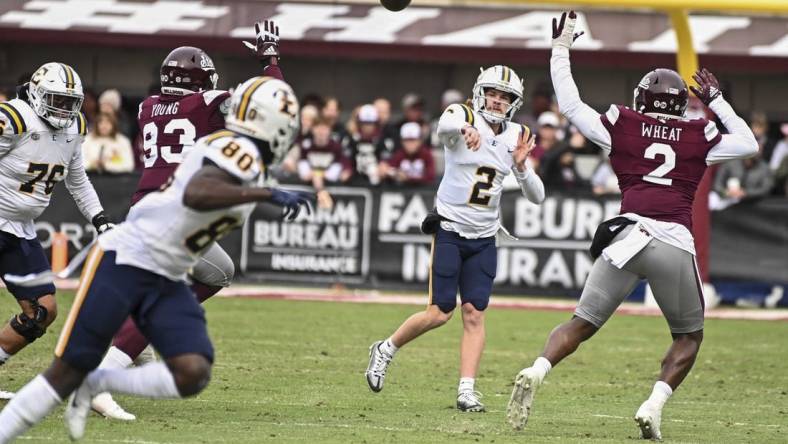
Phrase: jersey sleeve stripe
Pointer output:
(711, 131)
(468, 114)
(14, 117)
(612, 114)
(218, 135)
(247, 96)
(83, 126)
(525, 132)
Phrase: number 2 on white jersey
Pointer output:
(150, 135)
(658, 175)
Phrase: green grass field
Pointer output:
(293, 372)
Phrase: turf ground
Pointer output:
(293, 372)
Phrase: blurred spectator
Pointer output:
(321, 157)
(313, 99)
(449, 97)
(383, 106)
(604, 180)
(559, 172)
(110, 102)
(546, 137)
(105, 149)
(364, 146)
(541, 100)
(413, 111)
(778, 162)
(309, 114)
(5, 96)
(759, 125)
(412, 164)
(740, 179)
(90, 106)
(331, 112)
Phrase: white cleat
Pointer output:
(649, 418)
(147, 355)
(77, 409)
(4, 395)
(470, 401)
(376, 370)
(107, 407)
(519, 408)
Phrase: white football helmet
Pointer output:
(503, 79)
(266, 109)
(55, 93)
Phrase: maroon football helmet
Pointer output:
(662, 91)
(187, 69)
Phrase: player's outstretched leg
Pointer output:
(563, 341)
(471, 348)
(177, 377)
(381, 353)
(675, 366)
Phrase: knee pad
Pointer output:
(31, 328)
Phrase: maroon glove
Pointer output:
(266, 47)
(709, 86)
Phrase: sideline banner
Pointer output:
(371, 238)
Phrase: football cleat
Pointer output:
(378, 364)
(104, 405)
(519, 408)
(4, 395)
(77, 409)
(470, 401)
(649, 417)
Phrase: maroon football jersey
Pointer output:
(658, 163)
(169, 126)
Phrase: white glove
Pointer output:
(564, 30)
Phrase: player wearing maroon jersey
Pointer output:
(659, 158)
(188, 108)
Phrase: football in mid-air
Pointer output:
(395, 5)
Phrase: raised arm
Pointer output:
(740, 142)
(585, 118)
(266, 48)
(456, 126)
(530, 183)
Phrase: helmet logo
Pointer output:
(205, 62)
(645, 83)
(673, 91)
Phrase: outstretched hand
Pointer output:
(525, 145)
(267, 43)
(292, 202)
(472, 138)
(564, 30)
(709, 86)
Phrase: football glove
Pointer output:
(292, 202)
(267, 43)
(102, 223)
(709, 86)
(564, 30)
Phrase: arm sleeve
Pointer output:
(273, 71)
(585, 118)
(81, 189)
(451, 122)
(530, 184)
(738, 144)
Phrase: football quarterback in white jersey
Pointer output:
(139, 268)
(482, 146)
(41, 134)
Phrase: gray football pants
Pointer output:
(215, 268)
(672, 274)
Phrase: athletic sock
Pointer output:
(152, 380)
(660, 393)
(27, 408)
(115, 358)
(388, 347)
(466, 385)
(543, 366)
(4, 356)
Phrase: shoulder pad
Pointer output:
(464, 111)
(11, 120)
(525, 132)
(82, 124)
(236, 155)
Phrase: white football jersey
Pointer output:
(164, 236)
(34, 157)
(470, 191)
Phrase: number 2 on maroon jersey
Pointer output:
(658, 175)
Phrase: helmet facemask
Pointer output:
(56, 107)
(502, 79)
